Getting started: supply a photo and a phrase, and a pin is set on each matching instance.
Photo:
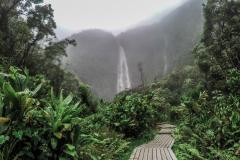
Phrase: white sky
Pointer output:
(77, 15)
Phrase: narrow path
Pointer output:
(159, 148)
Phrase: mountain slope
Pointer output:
(157, 47)
(95, 59)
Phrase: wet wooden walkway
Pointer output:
(160, 148)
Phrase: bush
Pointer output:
(213, 121)
(32, 128)
(131, 115)
(37, 124)
(97, 141)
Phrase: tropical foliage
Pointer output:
(130, 114)
(53, 127)
(47, 113)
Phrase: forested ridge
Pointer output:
(155, 47)
(48, 113)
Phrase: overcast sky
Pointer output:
(76, 15)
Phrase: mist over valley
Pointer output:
(152, 49)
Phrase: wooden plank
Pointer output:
(157, 149)
(172, 154)
(145, 157)
(172, 142)
(138, 151)
(165, 140)
(168, 141)
(165, 131)
(168, 145)
(141, 154)
(154, 154)
(150, 154)
(166, 126)
(161, 140)
(167, 154)
(163, 154)
(159, 157)
(133, 154)
(158, 139)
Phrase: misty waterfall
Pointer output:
(165, 69)
(123, 79)
(165, 56)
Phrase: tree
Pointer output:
(219, 51)
(26, 39)
(24, 24)
(222, 32)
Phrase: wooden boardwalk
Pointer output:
(159, 148)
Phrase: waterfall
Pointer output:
(165, 56)
(165, 59)
(123, 81)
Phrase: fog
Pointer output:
(142, 53)
(111, 15)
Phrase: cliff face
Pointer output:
(94, 60)
(157, 47)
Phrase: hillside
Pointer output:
(95, 58)
(159, 46)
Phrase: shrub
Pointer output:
(32, 128)
(97, 141)
(36, 124)
(131, 114)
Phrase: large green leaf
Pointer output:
(10, 92)
(36, 90)
(68, 100)
(70, 150)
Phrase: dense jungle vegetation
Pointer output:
(47, 113)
